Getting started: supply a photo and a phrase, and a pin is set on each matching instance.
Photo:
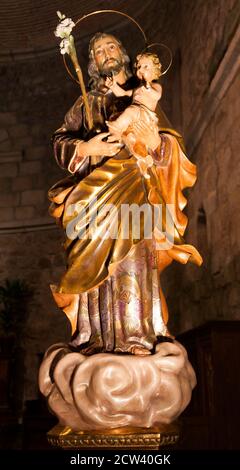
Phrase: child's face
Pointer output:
(145, 69)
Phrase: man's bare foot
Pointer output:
(139, 350)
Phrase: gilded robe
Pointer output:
(111, 289)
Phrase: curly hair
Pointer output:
(155, 60)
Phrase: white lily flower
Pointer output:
(64, 28)
(61, 15)
(65, 46)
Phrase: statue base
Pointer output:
(121, 438)
(115, 391)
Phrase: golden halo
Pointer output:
(84, 17)
(165, 47)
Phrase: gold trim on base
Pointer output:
(121, 438)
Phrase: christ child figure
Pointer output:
(141, 113)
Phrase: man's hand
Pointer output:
(95, 147)
(146, 134)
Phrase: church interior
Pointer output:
(201, 99)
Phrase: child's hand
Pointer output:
(118, 91)
(109, 82)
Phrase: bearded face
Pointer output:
(108, 56)
(110, 67)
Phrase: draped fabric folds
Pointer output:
(111, 289)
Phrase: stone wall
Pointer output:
(32, 108)
(37, 258)
(34, 97)
(206, 31)
(211, 112)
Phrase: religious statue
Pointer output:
(122, 211)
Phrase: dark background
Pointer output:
(201, 98)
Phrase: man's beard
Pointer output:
(106, 69)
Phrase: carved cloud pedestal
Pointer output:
(116, 400)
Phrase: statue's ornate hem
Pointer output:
(121, 438)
